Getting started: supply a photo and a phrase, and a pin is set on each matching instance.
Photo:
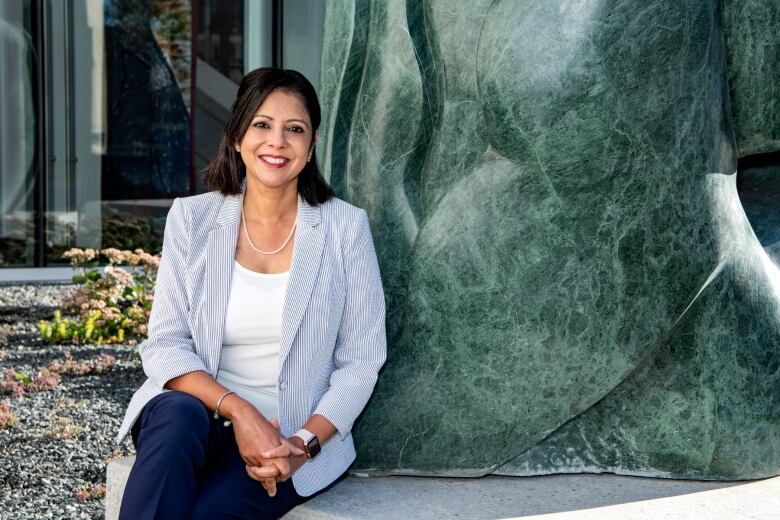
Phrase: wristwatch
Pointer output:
(311, 444)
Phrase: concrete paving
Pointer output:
(554, 497)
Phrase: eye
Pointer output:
(261, 124)
(297, 129)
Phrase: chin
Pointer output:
(274, 182)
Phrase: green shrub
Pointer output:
(19, 383)
(108, 307)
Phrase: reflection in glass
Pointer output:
(221, 37)
(304, 22)
(147, 152)
(219, 69)
(17, 136)
(119, 128)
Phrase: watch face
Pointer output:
(314, 447)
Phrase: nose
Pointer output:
(277, 138)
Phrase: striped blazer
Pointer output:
(333, 321)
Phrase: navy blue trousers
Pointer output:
(188, 467)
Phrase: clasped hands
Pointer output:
(278, 463)
(270, 457)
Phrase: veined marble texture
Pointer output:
(572, 283)
(751, 29)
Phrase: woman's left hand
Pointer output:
(283, 451)
(262, 473)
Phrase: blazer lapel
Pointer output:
(307, 253)
(220, 253)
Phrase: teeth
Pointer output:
(274, 160)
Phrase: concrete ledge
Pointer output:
(553, 497)
(15, 275)
(116, 478)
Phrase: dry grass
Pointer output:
(7, 417)
(62, 426)
(4, 334)
(90, 492)
(68, 366)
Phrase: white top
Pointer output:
(249, 363)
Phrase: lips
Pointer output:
(272, 161)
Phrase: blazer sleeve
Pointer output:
(361, 343)
(169, 350)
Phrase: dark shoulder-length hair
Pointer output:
(226, 171)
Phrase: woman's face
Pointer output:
(276, 145)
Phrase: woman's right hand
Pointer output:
(255, 435)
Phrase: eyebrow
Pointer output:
(289, 120)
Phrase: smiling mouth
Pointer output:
(274, 162)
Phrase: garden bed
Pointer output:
(53, 454)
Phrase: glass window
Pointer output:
(17, 136)
(221, 37)
(303, 22)
(134, 95)
(119, 96)
(219, 68)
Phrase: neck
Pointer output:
(270, 206)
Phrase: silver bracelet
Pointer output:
(219, 402)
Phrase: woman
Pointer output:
(267, 327)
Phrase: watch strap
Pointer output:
(305, 435)
(310, 442)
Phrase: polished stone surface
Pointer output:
(751, 29)
(572, 283)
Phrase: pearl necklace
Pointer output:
(246, 233)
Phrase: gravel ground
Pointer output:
(64, 437)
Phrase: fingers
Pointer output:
(261, 474)
(279, 470)
(283, 465)
(275, 424)
(294, 450)
(283, 450)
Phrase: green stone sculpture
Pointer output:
(751, 30)
(571, 280)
